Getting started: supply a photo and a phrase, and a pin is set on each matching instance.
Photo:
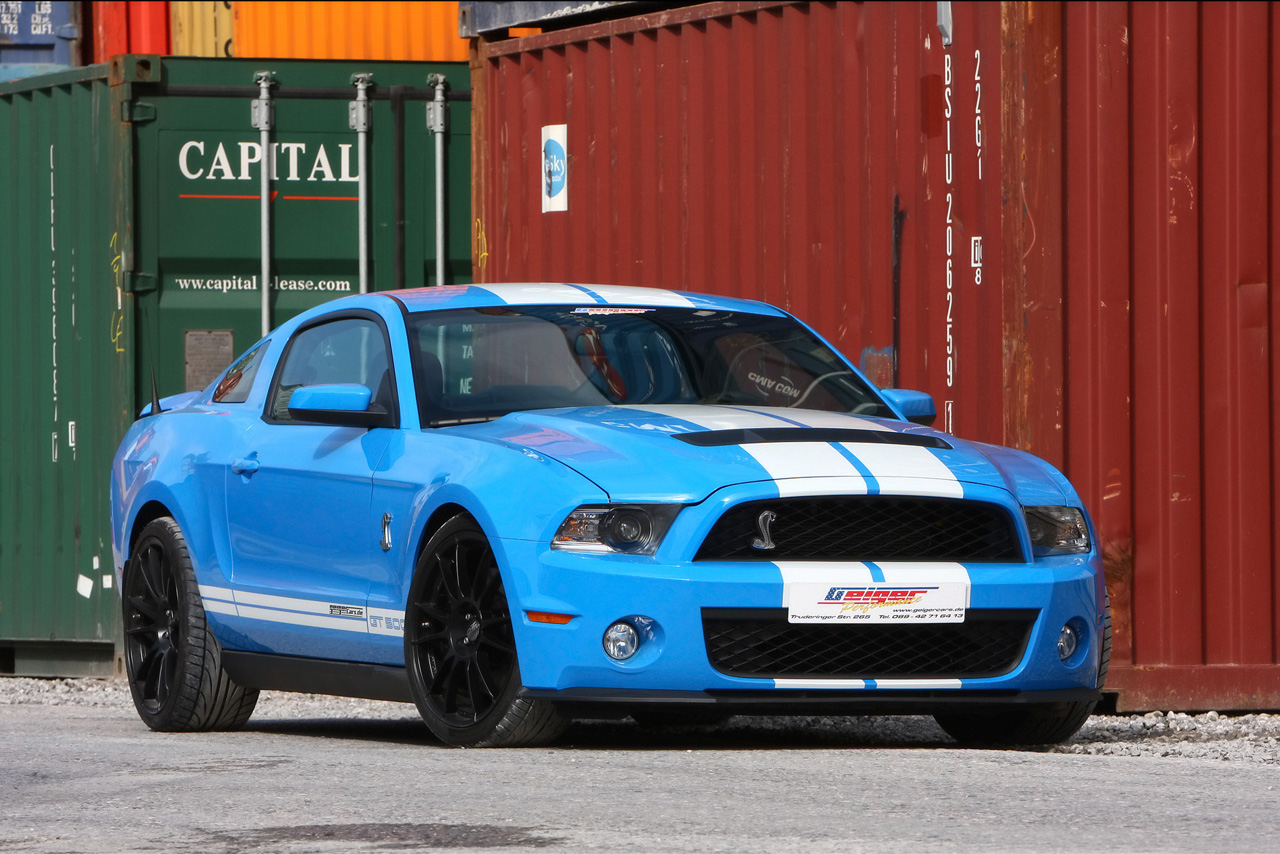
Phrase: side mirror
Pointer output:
(916, 406)
(342, 405)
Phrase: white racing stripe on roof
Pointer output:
(553, 293)
(624, 295)
(905, 464)
(537, 294)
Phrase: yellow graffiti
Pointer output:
(117, 316)
(117, 330)
(481, 245)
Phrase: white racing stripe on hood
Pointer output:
(783, 460)
(906, 469)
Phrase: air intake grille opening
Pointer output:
(760, 643)
(864, 527)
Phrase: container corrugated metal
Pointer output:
(71, 344)
(130, 232)
(1173, 165)
(201, 27)
(129, 26)
(1068, 241)
(38, 37)
(378, 29)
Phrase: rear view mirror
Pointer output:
(344, 405)
(916, 406)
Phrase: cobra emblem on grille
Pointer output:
(764, 542)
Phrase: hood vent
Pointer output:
(720, 438)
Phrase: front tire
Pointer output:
(172, 660)
(1010, 726)
(460, 651)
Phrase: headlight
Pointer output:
(1056, 530)
(631, 529)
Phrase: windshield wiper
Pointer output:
(453, 422)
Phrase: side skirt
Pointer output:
(317, 676)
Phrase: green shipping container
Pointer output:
(132, 242)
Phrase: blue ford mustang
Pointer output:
(514, 505)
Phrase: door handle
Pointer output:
(244, 466)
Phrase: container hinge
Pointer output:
(68, 32)
(142, 283)
(137, 112)
(262, 110)
(438, 110)
(358, 111)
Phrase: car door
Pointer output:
(302, 535)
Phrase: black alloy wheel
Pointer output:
(172, 659)
(460, 648)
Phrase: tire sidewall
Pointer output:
(177, 563)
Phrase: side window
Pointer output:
(350, 350)
(235, 385)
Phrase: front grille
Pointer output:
(760, 643)
(864, 527)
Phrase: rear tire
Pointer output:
(460, 649)
(173, 661)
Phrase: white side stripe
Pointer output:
(294, 618)
(336, 616)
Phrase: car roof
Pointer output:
(556, 293)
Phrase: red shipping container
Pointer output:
(129, 26)
(1068, 241)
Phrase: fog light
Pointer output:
(1067, 642)
(621, 641)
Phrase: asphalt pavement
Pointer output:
(94, 779)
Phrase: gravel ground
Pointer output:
(1252, 738)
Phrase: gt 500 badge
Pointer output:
(877, 603)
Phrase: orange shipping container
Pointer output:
(347, 30)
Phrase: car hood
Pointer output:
(684, 453)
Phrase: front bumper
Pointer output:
(567, 662)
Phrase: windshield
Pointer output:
(482, 363)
